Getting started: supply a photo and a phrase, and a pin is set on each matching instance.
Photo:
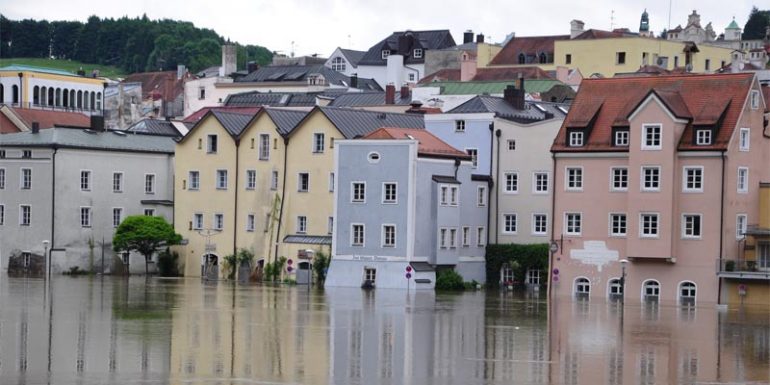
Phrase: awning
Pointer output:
(309, 239)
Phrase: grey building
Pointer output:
(72, 187)
(406, 199)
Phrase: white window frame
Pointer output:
(466, 236)
(611, 224)
(353, 198)
(582, 286)
(535, 224)
(264, 146)
(86, 221)
(453, 237)
(149, 183)
(331, 182)
(301, 224)
(744, 139)
(299, 182)
(384, 236)
(319, 147)
(353, 242)
(652, 147)
(515, 223)
(642, 216)
(576, 139)
(481, 236)
(25, 220)
(578, 186)
(198, 221)
(85, 179)
(454, 195)
(149, 212)
(511, 144)
(741, 225)
(692, 292)
(460, 125)
(474, 153)
(251, 179)
(251, 220)
(2, 214)
(119, 217)
(219, 184)
(568, 226)
(754, 99)
(702, 137)
(743, 181)
(212, 146)
(384, 54)
(274, 180)
(481, 196)
(117, 182)
(624, 135)
(385, 199)
(442, 237)
(443, 194)
(536, 185)
(330, 225)
(417, 53)
(643, 179)
(622, 179)
(197, 178)
(218, 221)
(514, 187)
(686, 177)
(685, 218)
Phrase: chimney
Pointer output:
(404, 92)
(252, 66)
(515, 96)
(35, 127)
(229, 58)
(180, 70)
(97, 122)
(521, 83)
(353, 80)
(480, 38)
(405, 43)
(468, 37)
(415, 107)
(576, 28)
(468, 67)
(390, 94)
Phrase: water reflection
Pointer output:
(114, 331)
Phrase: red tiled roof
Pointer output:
(511, 73)
(158, 85)
(446, 74)
(197, 115)
(701, 99)
(48, 119)
(429, 144)
(529, 45)
(599, 34)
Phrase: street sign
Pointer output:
(408, 268)
(289, 268)
(408, 275)
(555, 271)
(289, 261)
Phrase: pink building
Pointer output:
(664, 173)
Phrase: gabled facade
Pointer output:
(662, 172)
(345, 61)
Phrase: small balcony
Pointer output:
(743, 269)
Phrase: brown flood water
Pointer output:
(116, 331)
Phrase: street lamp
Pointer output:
(47, 260)
(623, 263)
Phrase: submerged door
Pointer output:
(303, 273)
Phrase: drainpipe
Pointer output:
(490, 184)
(497, 196)
(235, 204)
(21, 92)
(53, 195)
(457, 166)
(283, 197)
(553, 220)
(721, 227)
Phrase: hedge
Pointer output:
(520, 257)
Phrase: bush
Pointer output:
(449, 280)
(231, 265)
(320, 264)
(520, 257)
(167, 264)
(273, 270)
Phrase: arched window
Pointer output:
(615, 289)
(36, 95)
(99, 101)
(506, 275)
(93, 99)
(522, 58)
(50, 96)
(43, 95)
(85, 100)
(651, 290)
(338, 64)
(15, 94)
(80, 99)
(687, 293)
(65, 100)
(543, 58)
(58, 97)
(582, 287)
(72, 99)
(2, 93)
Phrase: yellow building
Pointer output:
(35, 87)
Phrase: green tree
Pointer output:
(756, 25)
(144, 234)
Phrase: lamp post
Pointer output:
(47, 260)
(623, 263)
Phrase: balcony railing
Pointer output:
(747, 269)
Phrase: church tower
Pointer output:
(733, 31)
(644, 25)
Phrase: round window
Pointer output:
(374, 157)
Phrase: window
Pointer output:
(2, 179)
(219, 221)
(201, 93)
(221, 179)
(117, 216)
(411, 77)
(2, 154)
(389, 193)
(539, 224)
(511, 145)
(338, 64)
(481, 237)
(691, 226)
(745, 139)
(358, 192)
(743, 180)
(651, 290)
(452, 238)
(648, 225)
(370, 274)
(509, 223)
(466, 234)
(506, 274)
(303, 182)
(26, 154)
(197, 221)
(532, 277)
(707, 65)
(357, 235)
(195, 180)
(200, 143)
(693, 179)
(540, 182)
(616, 289)
(620, 58)
(459, 126)
(417, 53)
(568, 58)
(511, 182)
(388, 235)
(618, 225)
(149, 183)
(250, 220)
(481, 196)
(443, 195)
(676, 61)
(274, 181)
(25, 215)
(211, 144)
(687, 292)
(264, 147)
(85, 217)
(301, 224)
(251, 179)
(574, 178)
(582, 287)
(85, 180)
(2, 215)
(741, 224)
(651, 137)
(331, 182)
(754, 99)
(702, 137)
(318, 143)
(474, 153)
(26, 178)
(149, 212)
(117, 182)
(621, 138)
(575, 138)
(619, 179)
(373, 157)
(442, 238)
(330, 225)
(651, 178)
(573, 223)
(453, 195)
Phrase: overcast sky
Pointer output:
(319, 26)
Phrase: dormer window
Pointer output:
(522, 58)
(576, 138)
(620, 138)
(417, 53)
(385, 53)
(703, 137)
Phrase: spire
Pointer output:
(644, 24)
(733, 25)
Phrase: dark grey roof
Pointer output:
(275, 99)
(445, 179)
(533, 111)
(234, 123)
(353, 56)
(421, 266)
(356, 123)
(155, 127)
(300, 73)
(462, 47)
(358, 99)
(285, 120)
(90, 139)
(427, 40)
(309, 239)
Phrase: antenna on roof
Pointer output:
(612, 20)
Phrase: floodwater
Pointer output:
(93, 330)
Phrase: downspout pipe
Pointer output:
(283, 197)
(721, 227)
(497, 196)
(553, 221)
(491, 183)
(53, 195)
(235, 204)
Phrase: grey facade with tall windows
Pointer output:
(72, 187)
(396, 206)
